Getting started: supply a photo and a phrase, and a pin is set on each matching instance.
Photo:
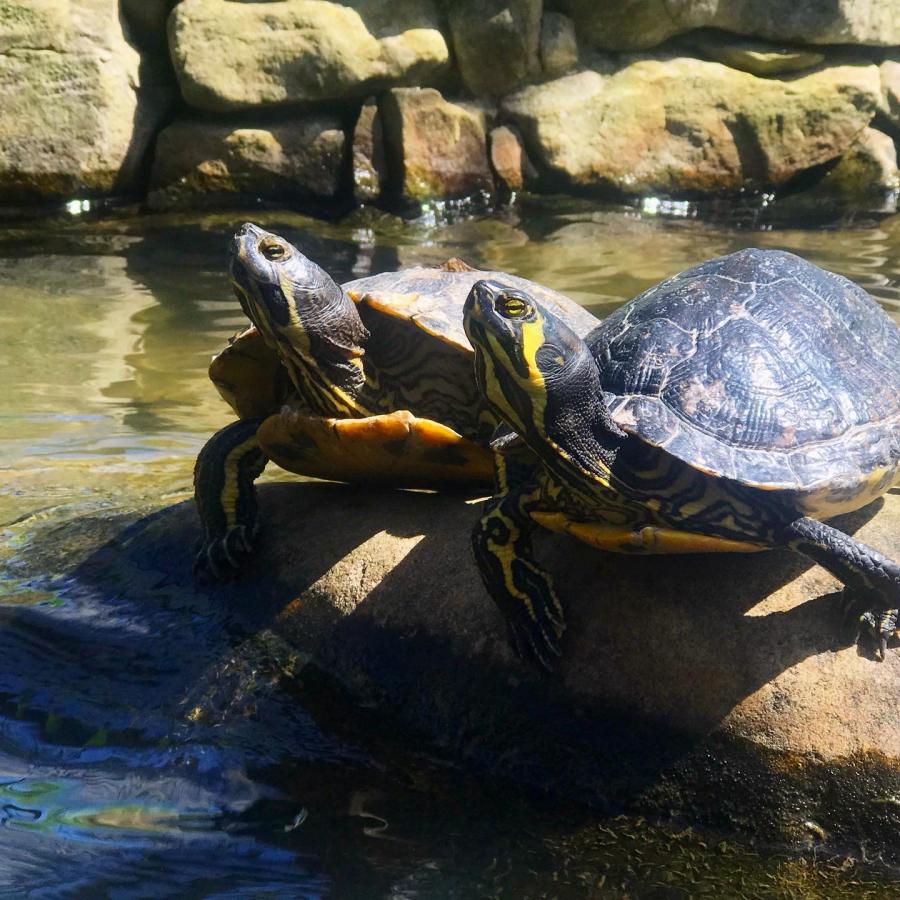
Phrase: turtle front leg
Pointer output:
(873, 577)
(227, 466)
(522, 590)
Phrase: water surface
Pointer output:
(150, 753)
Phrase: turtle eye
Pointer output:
(272, 249)
(511, 307)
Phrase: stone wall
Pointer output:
(189, 103)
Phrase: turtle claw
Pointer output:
(880, 627)
(534, 643)
(223, 557)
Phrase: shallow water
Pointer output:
(147, 755)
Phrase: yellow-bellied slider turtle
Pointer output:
(726, 409)
(371, 382)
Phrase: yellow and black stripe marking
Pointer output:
(226, 468)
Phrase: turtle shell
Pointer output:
(432, 299)
(762, 368)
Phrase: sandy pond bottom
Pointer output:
(111, 781)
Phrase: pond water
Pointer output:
(110, 784)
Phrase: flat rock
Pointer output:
(640, 24)
(439, 148)
(206, 163)
(704, 686)
(236, 55)
(78, 105)
(748, 55)
(677, 124)
(495, 42)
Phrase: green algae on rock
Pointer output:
(679, 124)
(200, 162)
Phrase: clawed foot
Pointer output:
(879, 626)
(222, 558)
(536, 640)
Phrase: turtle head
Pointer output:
(536, 373)
(300, 311)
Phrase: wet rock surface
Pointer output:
(713, 687)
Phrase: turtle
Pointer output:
(729, 408)
(367, 382)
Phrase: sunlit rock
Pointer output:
(681, 124)
(438, 147)
(639, 24)
(237, 55)
(78, 106)
(509, 159)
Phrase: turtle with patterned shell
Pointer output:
(727, 409)
(371, 381)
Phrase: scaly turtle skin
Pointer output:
(726, 409)
(366, 382)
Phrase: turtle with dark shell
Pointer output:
(727, 409)
(368, 382)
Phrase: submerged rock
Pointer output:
(439, 148)
(203, 162)
(78, 106)
(639, 24)
(236, 55)
(707, 686)
(679, 124)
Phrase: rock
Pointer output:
(559, 46)
(867, 169)
(704, 686)
(509, 159)
(438, 148)
(495, 42)
(368, 154)
(147, 19)
(678, 125)
(78, 107)
(890, 90)
(640, 24)
(756, 57)
(200, 162)
(236, 55)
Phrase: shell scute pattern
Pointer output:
(433, 298)
(758, 367)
